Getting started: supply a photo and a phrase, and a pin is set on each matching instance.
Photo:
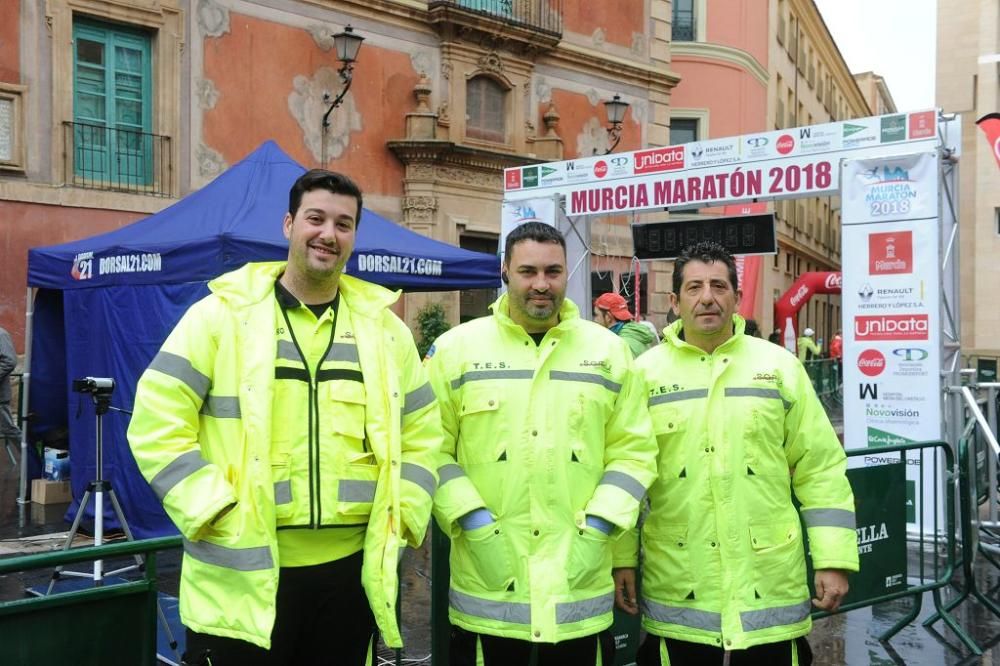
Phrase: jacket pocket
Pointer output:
(483, 434)
(778, 560)
(346, 401)
(356, 488)
(482, 557)
(667, 569)
(589, 566)
(281, 476)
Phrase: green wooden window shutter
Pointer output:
(112, 104)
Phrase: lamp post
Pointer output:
(347, 45)
(616, 108)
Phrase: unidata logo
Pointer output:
(871, 362)
(659, 159)
(891, 327)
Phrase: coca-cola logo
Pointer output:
(785, 144)
(659, 159)
(601, 169)
(891, 327)
(800, 295)
(834, 281)
(871, 362)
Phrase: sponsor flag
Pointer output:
(990, 124)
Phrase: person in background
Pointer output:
(546, 418)
(9, 432)
(740, 431)
(611, 312)
(837, 353)
(751, 328)
(807, 347)
(289, 429)
(775, 337)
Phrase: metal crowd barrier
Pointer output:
(113, 624)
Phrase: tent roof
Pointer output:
(237, 218)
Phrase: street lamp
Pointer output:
(347, 45)
(616, 108)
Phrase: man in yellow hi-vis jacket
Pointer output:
(289, 430)
(547, 420)
(739, 429)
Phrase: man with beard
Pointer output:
(289, 430)
(546, 417)
(739, 429)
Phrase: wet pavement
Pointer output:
(846, 639)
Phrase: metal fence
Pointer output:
(108, 158)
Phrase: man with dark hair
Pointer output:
(10, 434)
(289, 429)
(739, 430)
(546, 417)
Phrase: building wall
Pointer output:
(967, 84)
(230, 74)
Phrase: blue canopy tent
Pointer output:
(105, 304)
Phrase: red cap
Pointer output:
(614, 304)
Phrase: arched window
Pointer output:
(485, 110)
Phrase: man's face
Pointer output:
(706, 302)
(536, 284)
(321, 235)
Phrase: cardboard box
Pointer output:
(44, 491)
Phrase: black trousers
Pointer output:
(499, 651)
(323, 618)
(682, 653)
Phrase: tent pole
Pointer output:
(29, 320)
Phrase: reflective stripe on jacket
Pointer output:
(543, 436)
(201, 435)
(738, 431)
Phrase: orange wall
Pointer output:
(742, 25)
(618, 20)
(39, 225)
(574, 112)
(737, 102)
(254, 65)
(10, 36)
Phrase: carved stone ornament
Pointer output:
(443, 118)
(422, 91)
(306, 105)
(421, 62)
(592, 139)
(551, 120)
(206, 93)
(593, 97)
(598, 37)
(638, 45)
(491, 62)
(419, 209)
(543, 90)
(446, 68)
(210, 162)
(322, 35)
(469, 177)
(213, 18)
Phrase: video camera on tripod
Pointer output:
(94, 385)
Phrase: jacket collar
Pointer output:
(255, 281)
(672, 335)
(569, 315)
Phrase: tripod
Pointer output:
(97, 489)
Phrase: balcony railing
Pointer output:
(107, 158)
(541, 15)
(683, 26)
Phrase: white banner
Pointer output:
(795, 162)
(891, 309)
(516, 213)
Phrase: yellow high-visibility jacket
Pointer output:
(738, 431)
(543, 435)
(201, 435)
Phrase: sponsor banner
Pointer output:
(875, 136)
(86, 265)
(891, 310)
(881, 190)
